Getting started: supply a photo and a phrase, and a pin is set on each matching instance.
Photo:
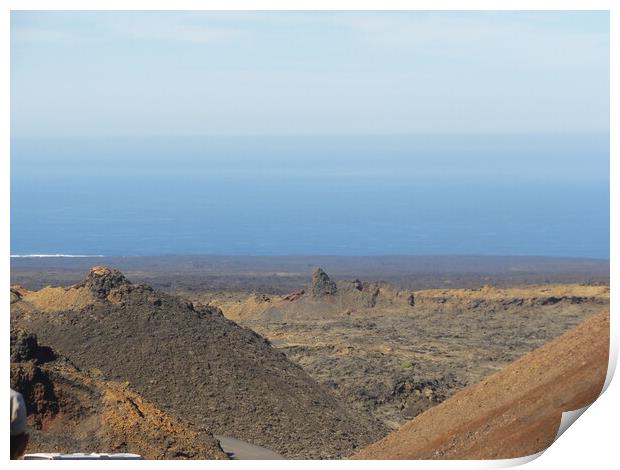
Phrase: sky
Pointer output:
(98, 74)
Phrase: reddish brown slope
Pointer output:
(513, 413)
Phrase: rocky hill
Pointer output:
(74, 411)
(193, 364)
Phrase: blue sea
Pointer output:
(515, 194)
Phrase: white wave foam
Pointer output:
(56, 255)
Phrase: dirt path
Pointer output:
(514, 412)
(241, 450)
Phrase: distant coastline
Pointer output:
(285, 274)
(56, 255)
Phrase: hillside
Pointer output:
(192, 363)
(75, 411)
(516, 411)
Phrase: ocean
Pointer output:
(541, 194)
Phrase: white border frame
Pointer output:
(592, 442)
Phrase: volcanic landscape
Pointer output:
(318, 358)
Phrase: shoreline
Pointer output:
(285, 274)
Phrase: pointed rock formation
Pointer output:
(322, 285)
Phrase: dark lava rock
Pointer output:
(25, 347)
(101, 280)
(292, 297)
(29, 379)
(261, 297)
(203, 368)
(35, 385)
(15, 295)
(71, 411)
(322, 285)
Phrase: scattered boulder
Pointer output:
(260, 298)
(294, 296)
(15, 295)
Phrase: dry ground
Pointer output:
(395, 360)
(513, 413)
(377, 353)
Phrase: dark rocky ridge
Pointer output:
(196, 364)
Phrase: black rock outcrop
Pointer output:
(101, 280)
(25, 347)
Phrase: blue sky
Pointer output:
(308, 73)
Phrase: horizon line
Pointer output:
(187, 255)
(564, 133)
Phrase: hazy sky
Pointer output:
(214, 73)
